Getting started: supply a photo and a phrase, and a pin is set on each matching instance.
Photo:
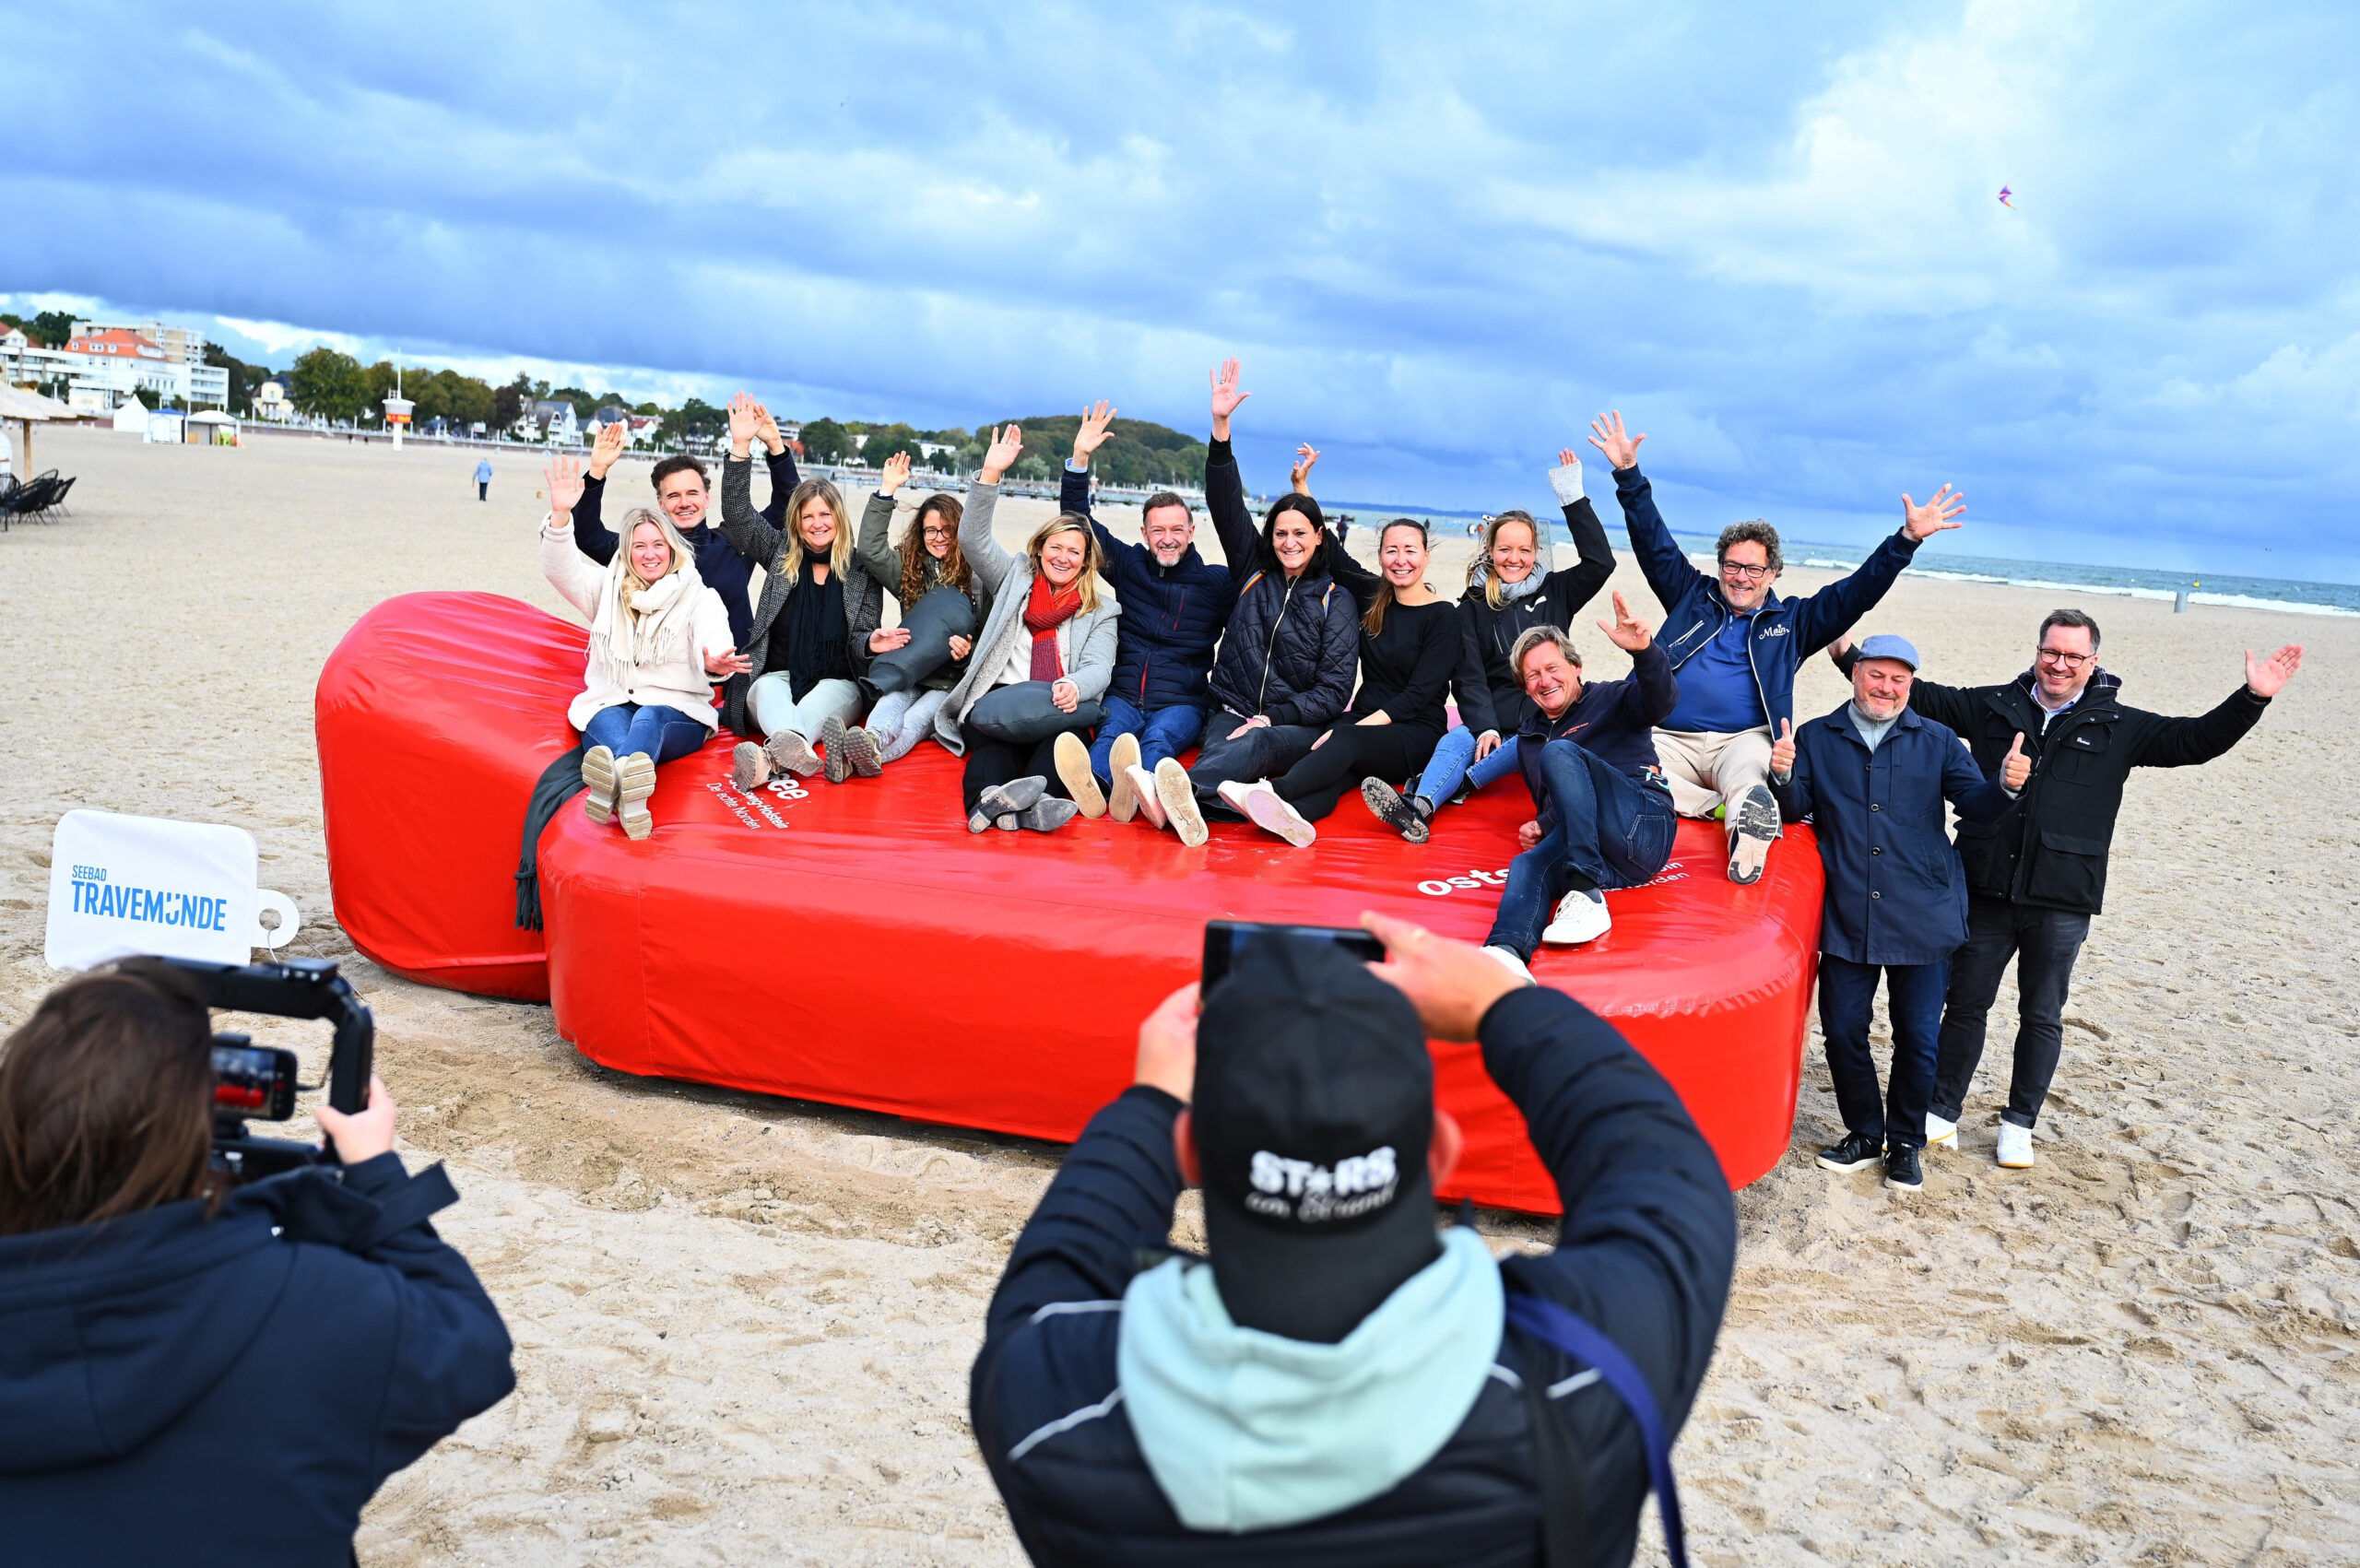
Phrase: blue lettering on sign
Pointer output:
(153, 906)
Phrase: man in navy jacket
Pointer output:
(1737, 645)
(1175, 604)
(1230, 1414)
(1872, 777)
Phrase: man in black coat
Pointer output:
(1235, 1412)
(2037, 875)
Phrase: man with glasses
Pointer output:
(1735, 645)
(2035, 877)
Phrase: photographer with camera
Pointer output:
(193, 1372)
(1338, 1383)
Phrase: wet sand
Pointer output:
(744, 1325)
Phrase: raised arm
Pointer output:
(1073, 482)
(752, 535)
(1653, 690)
(873, 545)
(1661, 560)
(1224, 489)
(572, 574)
(591, 534)
(781, 462)
(990, 562)
(2182, 743)
(1578, 583)
(1823, 617)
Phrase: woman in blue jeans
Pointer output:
(1508, 595)
(658, 639)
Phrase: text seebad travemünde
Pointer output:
(93, 894)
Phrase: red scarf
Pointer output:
(1043, 612)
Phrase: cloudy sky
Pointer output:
(1439, 237)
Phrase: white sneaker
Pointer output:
(1513, 964)
(2015, 1147)
(1072, 760)
(1123, 799)
(1144, 799)
(1939, 1133)
(1266, 809)
(1581, 917)
(1178, 796)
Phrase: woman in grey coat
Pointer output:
(1052, 622)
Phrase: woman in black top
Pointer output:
(1412, 651)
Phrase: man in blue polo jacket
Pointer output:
(1736, 645)
(1175, 604)
(1873, 776)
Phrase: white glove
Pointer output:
(1567, 482)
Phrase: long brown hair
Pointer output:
(951, 509)
(839, 549)
(1374, 621)
(1094, 560)
(106, 1101)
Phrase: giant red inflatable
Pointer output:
(855, 944)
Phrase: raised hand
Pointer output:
(1606, 433)
(767, 427)
(1097, 419)
(607, 447)
(1299, 475)
(726, 663)
(1924, 522)
(1226, 397)
(1567, 456)
(1626, 630)
(896, 474)
(2015, 767)
(1000, 456)
(745, 422)
(2265, 677)
(563, 477)
(1782, 750)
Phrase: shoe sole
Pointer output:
(1272, 815)
(792, 753)
(1073, 771)
(635, 782)
(1828, 1164)
(1385, 803)
(860, 750)
(1124, 804)
(1178, 797)
(598, 781)
(747, 766)
(1918, 1185)
(1948, 1140)
(2014, 1164)
(1043, 815)
(1556, 936)
(1756, 830)
(1004, 801)
(834, 763)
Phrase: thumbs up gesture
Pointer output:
(2015, 767)
(1782, 750)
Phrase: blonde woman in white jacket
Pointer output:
(658, 637)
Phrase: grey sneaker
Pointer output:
(1385, 803)
(1006, 801)
(635, 782)
(598, 784)
(1045, 815)
(792, 753)
(1753, 828)
(860, 750)
(837, 766)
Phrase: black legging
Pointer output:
(1352, 752)
(993, 762)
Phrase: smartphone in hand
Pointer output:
(1227, 940)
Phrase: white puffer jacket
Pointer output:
(675, 676)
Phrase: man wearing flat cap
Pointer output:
(1338, 1382)
(1872, 777)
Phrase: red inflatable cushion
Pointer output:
(435, 717)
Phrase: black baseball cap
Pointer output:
(1314, 1108)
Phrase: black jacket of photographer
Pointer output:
(2050, 851)
(1648, 1241)
(232, 1390)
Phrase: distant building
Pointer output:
(104, 364)
(270, 401)
(553, 420)
(643, 429)
(927, 449)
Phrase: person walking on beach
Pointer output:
(2037, 875)
(483, 478)
(1175, 602)
(1603, 817)
(1737, 645)
(1337, 1383)
(1895, 892)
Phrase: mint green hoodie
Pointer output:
(1247, 1431)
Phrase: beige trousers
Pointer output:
(1705, 769)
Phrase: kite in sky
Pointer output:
(2004, 195)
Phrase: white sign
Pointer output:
(125, 885)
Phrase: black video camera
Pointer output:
(259, 1081)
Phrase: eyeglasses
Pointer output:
(1738, 569)
(2059, 656)
(935, 531)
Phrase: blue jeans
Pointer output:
(1167, 732)
(1913, 992)
(663, 733)
(1611, 832)
(1454, 760)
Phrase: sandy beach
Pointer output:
(744, 1325)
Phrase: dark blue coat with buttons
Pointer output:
(1896, 891)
